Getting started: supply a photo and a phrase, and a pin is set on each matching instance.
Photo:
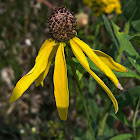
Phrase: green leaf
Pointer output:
(92, 107)
(129, 73)
(129, 37)
(129, 96)
(131, 53)
(136, 25)
(138, 123)
(109, 30)
(135, 37)
(109, 126)
(121, 116)
(137, 40)
(131, 10)
(138, 135)
(80, 70)
(76, 138)
(88, 136)
(122, 137)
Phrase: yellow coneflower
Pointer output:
(62, 26)
(104, 6)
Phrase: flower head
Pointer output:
(62, 25)
(64, 31)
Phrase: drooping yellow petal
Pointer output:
(29, 78)
(110, 62)
(44, 45)
(82, 59)
(61, 83)
(40, 79)
(42, 76)
(98, 62)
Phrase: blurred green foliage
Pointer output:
(23, 29)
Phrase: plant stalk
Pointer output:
(48, 4)
(80, 90)
(102, 125)
(134, 118)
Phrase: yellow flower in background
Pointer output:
(62, 26)
(104, 6)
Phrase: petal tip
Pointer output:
(63, 113)
(10, 101)
(36, 84)
(120, 86)
(42, 84)
(116, 111)
(116, 108)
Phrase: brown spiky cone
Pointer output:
(62, 25)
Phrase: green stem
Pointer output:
(134, 118)
(80, 91)
(102, 124)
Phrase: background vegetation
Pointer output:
(23, 29)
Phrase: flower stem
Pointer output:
(134, 117)
(48, 4)
(80, 91)
(102, 124)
